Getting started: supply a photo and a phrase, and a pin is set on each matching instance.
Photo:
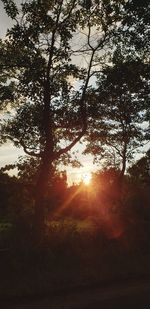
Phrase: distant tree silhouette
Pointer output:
(140, 170)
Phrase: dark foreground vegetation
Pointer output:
(93, 233)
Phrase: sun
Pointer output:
(86, 178)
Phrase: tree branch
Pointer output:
(70, 146)
(70, 11)
(29, 152)
(26, 149)
(82, 101)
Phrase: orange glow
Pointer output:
(68, 201)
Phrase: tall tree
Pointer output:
(121, 96)
(40, 55)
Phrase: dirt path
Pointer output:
(131, 294)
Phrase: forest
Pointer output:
(74, 75)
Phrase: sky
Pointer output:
(9, 154)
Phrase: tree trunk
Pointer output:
(122, 172)
(41, 191)
(123, 169)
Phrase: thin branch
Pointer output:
(89, 36)
(70, 146)
(52, 44)
(28, 152)
(115, 147)
(83, 114)
(69, 14)
(82, 102)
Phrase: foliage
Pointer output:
(119, 106)
(42, 43)
(39, 57)
(122, 97)
(140, 170)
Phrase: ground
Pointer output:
(124, 294)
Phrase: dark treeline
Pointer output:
(93, 233)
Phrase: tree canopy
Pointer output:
(118, 124)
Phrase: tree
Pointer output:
(135, 29)
(38, 57)
(11, 195)
(121, 102)
(122, 96)
(128, 81)
(140, 170)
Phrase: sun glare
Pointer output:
(87, 178)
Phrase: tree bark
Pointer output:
(41, 191)
(122, 172)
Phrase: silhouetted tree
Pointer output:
(38, 55)
(140, 170)
(120, 105)
(122, 96)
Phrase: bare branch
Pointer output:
(70, 146)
